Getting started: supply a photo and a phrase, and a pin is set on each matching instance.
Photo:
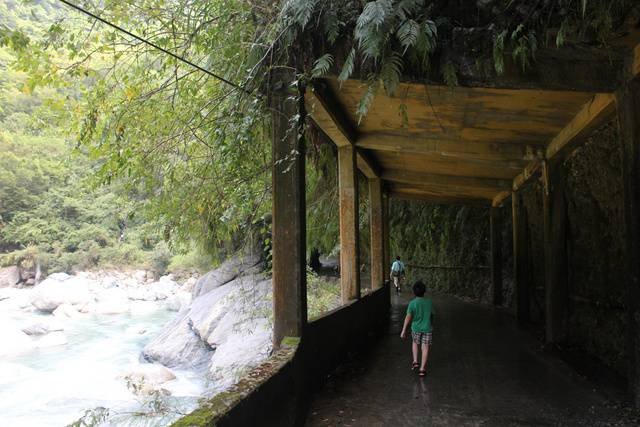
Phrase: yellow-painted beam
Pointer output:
(445, 200)
(531, 169)
(598, 112)
(500, 198)
(462, 182)
(327, 114)
(444, 147)
(634, 63)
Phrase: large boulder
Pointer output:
(163, 289)
(111, 307)
(9, 276)
(225, 329)
(142, 308)
(175, 302)
(59, 289)
(149, 373)
(228, 271)
(12, 339)
(41, 325)
(66, 311)
(13, 299)
(145, 377)
(178, 345)
(54, 339)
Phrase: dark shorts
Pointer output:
(424, 338)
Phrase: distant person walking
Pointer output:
(397, 271)
(420, 316)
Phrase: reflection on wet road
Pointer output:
(483, 369)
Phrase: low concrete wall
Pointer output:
(267, 396)
(278, 392)
(332, 339)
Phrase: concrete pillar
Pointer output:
(520, 258)
(628, 104)
(385, 235)
(496, 254)
(555, 246)
(377, 238)
(349, 224)
(288, 209)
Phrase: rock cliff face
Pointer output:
(225, 329)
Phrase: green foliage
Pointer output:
(322, 65)
(196, 259)
(92, 417)
(188, 151)
(323, 294)
(49, 215)
(498, 51)
(161, 257)
(524, 44)
(450, 236)
(323, 218)
(156, 408)
(450, 77)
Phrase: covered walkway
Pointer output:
(483, 369)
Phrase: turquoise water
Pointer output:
(54, 387)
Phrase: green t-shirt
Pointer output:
(421, 309)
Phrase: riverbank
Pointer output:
(92, 340)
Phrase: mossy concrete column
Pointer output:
(349, 239)
(385, 235)
(520, 258)
(288, 209)
(377, 238)
(555, 252)
(628, 104)
(496, 254)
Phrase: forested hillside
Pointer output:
(51, 214)
(187, 177)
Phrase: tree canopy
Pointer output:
(191, 150)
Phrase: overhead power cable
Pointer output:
(155, 46)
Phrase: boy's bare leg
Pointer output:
(425, 354)
(415, 351)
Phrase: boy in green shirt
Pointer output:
(420, 316)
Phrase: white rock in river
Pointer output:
(41, 325)
(54, 339)
(223, 329)
(66, 311)
(134, 331)
(112, 294)
(109, 282)
(12, 339)
(150, 374)
(189, 285)
(59, 289)
(175, 302)
(163, 289)
(112, 307)
(13, 299)
(141, 308)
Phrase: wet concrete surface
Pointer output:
(483, 370)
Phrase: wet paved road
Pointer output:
(483, 370)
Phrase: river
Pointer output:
(55, 386)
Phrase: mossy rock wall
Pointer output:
(429, 235)
(446, 246)
(595, 249)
